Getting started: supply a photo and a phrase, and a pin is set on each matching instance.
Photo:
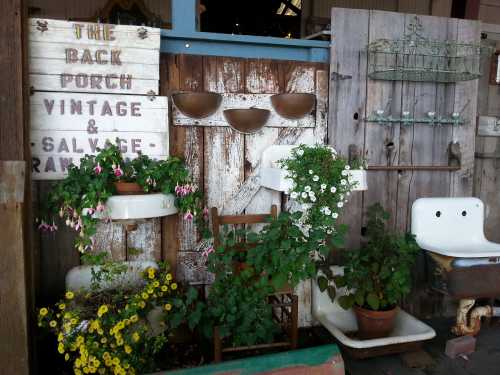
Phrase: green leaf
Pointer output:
(332, 292)
(373, 301)
(339, 281)
(322, 283)
(346, 302)
(359, 297)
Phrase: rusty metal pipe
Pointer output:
(472, 325)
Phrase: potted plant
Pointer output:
(377, 276)
(118, 330)
(80, 198)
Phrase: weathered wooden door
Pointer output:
(354, 97)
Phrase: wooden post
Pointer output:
(15, 200)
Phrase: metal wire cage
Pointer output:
(419, 59)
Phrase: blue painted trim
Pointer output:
(246, 46)
(183, 38)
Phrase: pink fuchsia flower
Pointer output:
(90, 211)
(183, 190)
(98, 169)
(79, 225)
(188, 216)
(43, 226)
(205, 213)
(100, 207)
(118, 172)
(53, 227)
(208, 251)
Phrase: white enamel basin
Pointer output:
(452, 227)
(340, 322)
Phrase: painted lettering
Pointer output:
(50, 165)
(65, 79)
(75, 148)
(49, 105)
(63, 146)
(110, 85)
(76, 107)
(126, 81)
(121, 109)
(77, 28)
(93, 32)
(71, 55)
(98, 56)
(95, 81)
(135, 108)
(136, 145)
(81, 80)
(87, 57)
(47, 144)
(108, 32)
(35, 163)
(91, 104)
(115, 57)
(106, 109)
(93, 145)
(65, 163)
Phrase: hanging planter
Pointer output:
(293, 106)
(197, 104)
(140, 206)
(128, 188)
(247, 120)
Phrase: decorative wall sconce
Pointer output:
(379, 117)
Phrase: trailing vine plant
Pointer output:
(80, 198)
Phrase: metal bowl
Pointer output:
(247, 120)
(293, 106)
(197, 104)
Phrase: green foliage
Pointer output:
(80, 198)
(379, 274)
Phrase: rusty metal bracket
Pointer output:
(42, 26)
(142, 32)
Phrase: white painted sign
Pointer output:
(79, 73)
(66, 126)
(90, 57)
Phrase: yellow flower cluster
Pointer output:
(108, 338)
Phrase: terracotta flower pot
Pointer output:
(374, 324)
(128, 188)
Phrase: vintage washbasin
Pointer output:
(342, 323)
(452, 227)
(466, 264)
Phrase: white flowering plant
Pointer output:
(321, 185)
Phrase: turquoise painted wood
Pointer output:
(325, 359)
(184, 38)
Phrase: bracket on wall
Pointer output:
(379, 117)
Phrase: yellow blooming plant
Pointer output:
(107, 331)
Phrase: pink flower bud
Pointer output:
(98, 169)
(118, 172)
(188, 216)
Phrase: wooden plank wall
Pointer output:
(221, 161)
(353, 96)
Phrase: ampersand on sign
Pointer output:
(91, 128)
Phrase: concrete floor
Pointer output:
(484, 361)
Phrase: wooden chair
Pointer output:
(284, 302)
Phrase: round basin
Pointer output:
(247, 120)
(293, 106)
(197, 104)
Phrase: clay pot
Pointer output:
(197, 104)
(293, 106)
(374, 324)
(247, 120)
(128, 188)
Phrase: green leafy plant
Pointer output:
(378, 275)
(80, 198)
(108, 331)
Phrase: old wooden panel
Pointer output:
(89, 57)
(68, 126)
(231, 101)
(112, 239)
(14, 327)
(144, 241)
(57, 31)
(347, 98)
(466, 104)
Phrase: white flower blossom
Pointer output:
(315, 178)
(329, 231)
(344, 173)
(327, 211)
(323, 186)
(311, 171)
(333, 189)
(313, 198)
(340, 204)
(347, 167)
(307, 189)
(300, 152)
(304, 194)
(341, 196)
(294, 195)
(335, 215)
(343, 182)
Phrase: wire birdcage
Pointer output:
(419, 59)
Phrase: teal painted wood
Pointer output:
(310, 357)
(184, 38)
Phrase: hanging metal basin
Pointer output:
(197, 104)
(293, 106)
(247, 120)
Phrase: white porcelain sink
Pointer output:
(452, 227)
(340, 322)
